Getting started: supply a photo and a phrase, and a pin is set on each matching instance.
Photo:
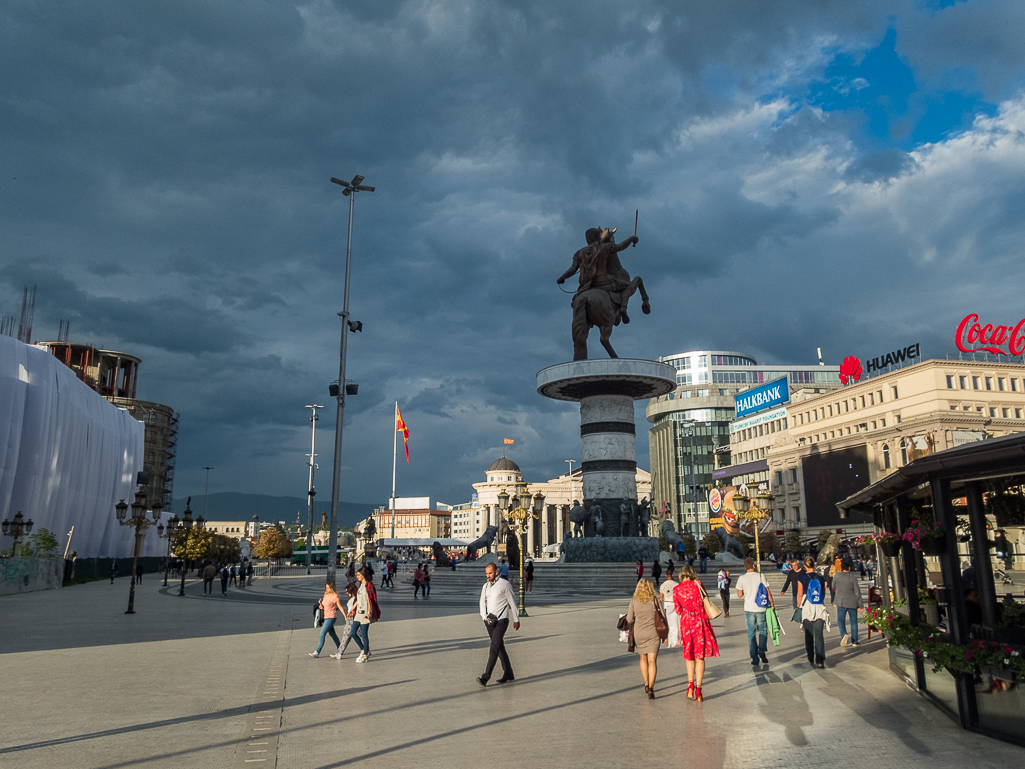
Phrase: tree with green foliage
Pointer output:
(42, 544)
(769, 543)
(793, 545)
(223, 549)
(712, 544)
(197, 540)
(273, 544)
(690, 545)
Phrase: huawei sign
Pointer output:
(990, 338)
(850, 370)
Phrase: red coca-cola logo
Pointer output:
(990, 338)
(850, 369)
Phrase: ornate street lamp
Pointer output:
(187, 524)
(138, 522)
(519, 516)
(172, 529)
(16, 529)
(759, 512)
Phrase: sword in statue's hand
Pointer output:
(635, 227)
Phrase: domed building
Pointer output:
(469, 520)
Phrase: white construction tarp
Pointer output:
(67, 455)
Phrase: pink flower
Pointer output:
(967, 655)
(1008, 650)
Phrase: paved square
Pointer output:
(217, 681)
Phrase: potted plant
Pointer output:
(929, 608)
(888, 542)
(925, 536)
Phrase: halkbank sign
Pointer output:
(763, 397)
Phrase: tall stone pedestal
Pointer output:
(606, 390)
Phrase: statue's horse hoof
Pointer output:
(624, 317)
(646, 308)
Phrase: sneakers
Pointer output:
(846, 640)
(314, 654)
(336, 656)
(855, 643)
(362, 658)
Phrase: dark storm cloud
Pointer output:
(166, 187)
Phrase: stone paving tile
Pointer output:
(187, 681)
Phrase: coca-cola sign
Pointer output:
(990, 338)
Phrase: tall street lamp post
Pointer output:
(186, 524)
(172, 527)
(756, 514)
(140, 524)
(524, 509)
(16, 529)
(349, 190)
(312, 492)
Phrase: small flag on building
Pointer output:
(509, 441)
(400, 427)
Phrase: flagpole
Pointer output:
(394, 455)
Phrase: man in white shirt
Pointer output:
(497, 607)
(754, 615)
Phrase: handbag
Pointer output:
(661, 626)
(711, 610)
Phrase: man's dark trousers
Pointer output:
(497, 633)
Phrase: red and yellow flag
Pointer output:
(509, 441)
(400, 427)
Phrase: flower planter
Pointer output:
(930, 614)
(890, 549)
(933, 545)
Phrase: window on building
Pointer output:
(953, 408)
(963, 382)
(950, 382)
(871, 399)
(873, 424)
(882, 422)
(989, 383)
(886, 457)
(903, 451)
(893, 392)
(797, 513)
(1000, 384)
(880, 393)
(975, 383)
(966, 408)
(1014, 385)
(863, 401)
(978, 409)
(722, 391)
(848, 430)
(1017, 413)
(779, 478)
(897, 417)
(830, 410)
(846, 407)
(1005, 412)
(832, 433)
(793, 475)
(702, 393)
(992, 412)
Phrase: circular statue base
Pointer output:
(610, 549)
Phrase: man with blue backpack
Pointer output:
(754, 589)
(811, 589)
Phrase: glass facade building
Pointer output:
(691, 425)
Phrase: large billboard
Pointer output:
(774, 393)
(830, 477)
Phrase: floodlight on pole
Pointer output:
(348, 189)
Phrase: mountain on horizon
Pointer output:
(236, 506)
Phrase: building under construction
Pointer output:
(114, 375)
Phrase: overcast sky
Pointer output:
(844, 175)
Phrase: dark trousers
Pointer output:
(208, 585)
(497, 651)
(814, 641)
(725, 596)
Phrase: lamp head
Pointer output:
(539, 502)
(28, 526)
(503, 500)
(121, 509)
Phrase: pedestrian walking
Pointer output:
(723, 581)
(672, 618)
(656, 572)
(351, 592)
(703, 558)
(528, 574)
(242, 575)
(427, 580)
(209, 572)
(645, 607)
(138, 574)
(754, 589)
(497, 609)
(418, 580)
(232, 574)
(848, 601)
(366, 602)
(112, 570)
(503, 569)
(814, 615)
(331, 606)
(640, 570)
(224, 579)
(792, 581)
(350, 573)
(696, 635)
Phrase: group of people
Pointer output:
(359, 611)
(229, 573)
(679, 615)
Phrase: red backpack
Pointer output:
(375, 610)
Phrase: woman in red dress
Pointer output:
(696, 632)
